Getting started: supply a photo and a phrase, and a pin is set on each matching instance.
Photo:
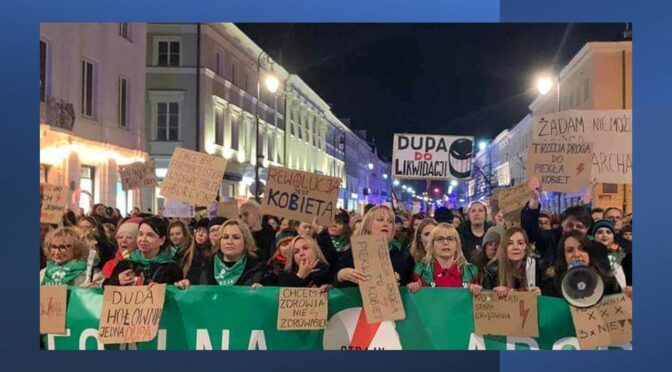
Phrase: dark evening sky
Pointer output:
(462, 79)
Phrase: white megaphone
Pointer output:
(581, 285)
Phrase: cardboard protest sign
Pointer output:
(432, 157)
(561, 166)
(515, 315)
(380, 292)
(300, 195)
(610, 132)
(178, 209)
(609, 323)
(54, 198)
(193, 177)
(137, 175)
(512, 199)
(302, 309)
(131, 314)
(228, 209)
(53, 308)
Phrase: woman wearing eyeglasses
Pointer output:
(67, 260)
(444, 265)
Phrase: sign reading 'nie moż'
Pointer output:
(193, 177)
(610, 132)
(513, 315)
(609, 323)
(561, 166)
(302, 309)
(300, 195)
(54, 199)
(131, 314)
(380, 292)
(138, 175)
(427, 156)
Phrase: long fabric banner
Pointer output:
(239, 318)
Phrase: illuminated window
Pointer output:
(86, 183)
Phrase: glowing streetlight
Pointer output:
(544, 84)
(482, 145)
(272, 83)
(396, 183)
(384, 176)
(453, 183)
(404, 187)
(370, 165)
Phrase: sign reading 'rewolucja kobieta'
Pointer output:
(427, 156)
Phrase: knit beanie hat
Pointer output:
(216, 221)
(285, 235)
(494, 234)
(443, 214)
(600, 224)
(202, 223)
(130, 227)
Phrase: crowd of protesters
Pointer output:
(478, 250)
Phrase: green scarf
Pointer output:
(161, 258)
(426, 272)
(340, 244)
(228, 276)
(56, 274)
(394, 244)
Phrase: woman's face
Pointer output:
(201, 235)
(477, 214)
(284, 224)
(85, 225)
(126, 242)
(176, 235)
(60, 252)
(336, 229)
(491, 250)
(273, 224)
(604, 236)
(499, 218)
(383, 224)
(456, 222)
(416, 223)
(286, 248)
(305, 229)
(424, 235)
(627, 235)
(149, 241)
(100, 210)
(445, 245)
(302, 252)
(574, 251)
(515, 249)
(231, 243)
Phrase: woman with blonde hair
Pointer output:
(444, 264)
(421, 238)
(378, 221)
(67, 255)
(306, 265)
(235, 261)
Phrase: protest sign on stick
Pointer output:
(54, 198)
(300, 195)
(53, 308)
(138, 175)
(302, 309)
(560, 166)
(131, 314)
(228, 209)
(514, 315)
(380, 292)
(512, 199)
(609, 323)
(193, 177)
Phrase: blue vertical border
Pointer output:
(652, 58)
(19, 22)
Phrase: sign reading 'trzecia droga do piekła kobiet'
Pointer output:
(432, 157)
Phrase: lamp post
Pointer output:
(272, 85)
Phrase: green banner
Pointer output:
(240, 318)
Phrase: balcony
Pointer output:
(57, 113)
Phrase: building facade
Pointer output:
(92, 103)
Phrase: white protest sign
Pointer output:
(178, 209)
(432, 157)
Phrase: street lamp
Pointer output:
(370, 165)
(453, 183)
(482, 145)
(272, 84)
(384, 176)
(544, 84)
(395, 183)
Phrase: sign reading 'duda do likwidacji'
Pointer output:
(432, 157)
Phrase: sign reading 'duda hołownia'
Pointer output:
(432, 157)
(131, 314)
(300, 195)
(561, 166)
(193, 177)
(137, 175)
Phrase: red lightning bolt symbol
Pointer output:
(579, 169)
(523, 312)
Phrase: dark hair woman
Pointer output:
(93, 232)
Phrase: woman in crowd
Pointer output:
(444, 265)
(305, 266)
(110, 232)
(127, 235)
(272, 221)
(93, 232)
(201, 233)
(283, 249)
(152, 261)
(603, 232)
(421, 239)
(457, 220)
(234, 262)
(194, 257)
(340, 232)
(416, 220)
(516, 269)
(474, 228)
(378, 221)
(180, 239)
(575, 246)
(486, 259)
(67, 257)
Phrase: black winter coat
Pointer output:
(321, 276)
(402, 264)
(470, 242)
(252, 273)
(545, 241)
(265, 241)
(165, 273)
(198, 262)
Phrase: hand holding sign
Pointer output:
(512, 315)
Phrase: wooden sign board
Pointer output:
(302, 309)
(138, 175)
(515, 315)
(380, 292)
(53, 307)
(609, 323)
(560, 166)
(54, 199)
(512, 199)
(228, 209)
(131, 314)
(193, 177)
